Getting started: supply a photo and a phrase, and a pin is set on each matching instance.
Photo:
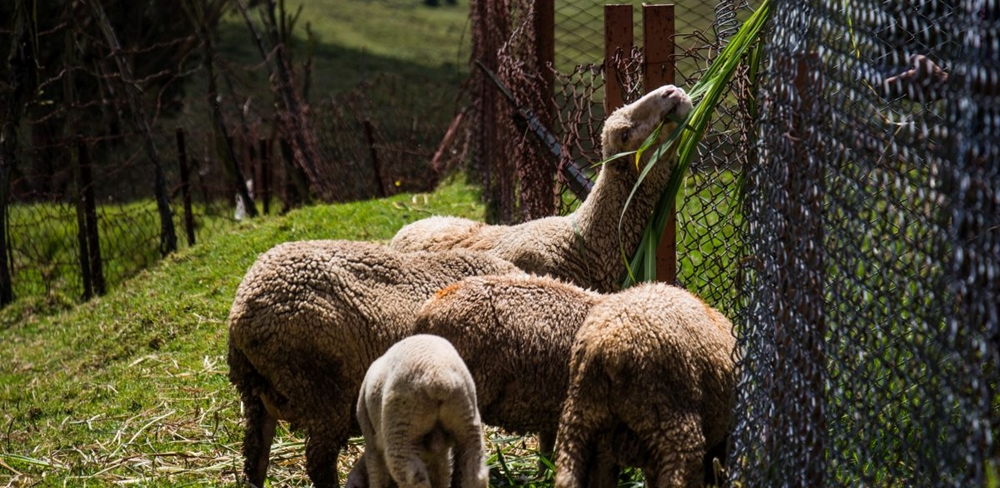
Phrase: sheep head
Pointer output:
(626, 128)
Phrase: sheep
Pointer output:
(417, 400)
(515, 334)
(651, 385)
(308, 319)
(583, 247)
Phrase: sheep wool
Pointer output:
(418, 403)
(582, 247)
(651, 386)
(514, 334)
(308, 319)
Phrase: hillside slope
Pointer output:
(132, 387)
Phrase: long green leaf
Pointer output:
(709, 90)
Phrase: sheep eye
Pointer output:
(624, 136)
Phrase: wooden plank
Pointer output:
(617, 37)
(658, 70)
(658, 45)
(545, 41)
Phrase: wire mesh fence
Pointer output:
(870, 329)
(843, 210)
(80, 187)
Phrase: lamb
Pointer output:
(516, 335)
(308, 319)
(417, 401)
(651, 385)
(582, 247)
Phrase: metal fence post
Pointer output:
(800, 329)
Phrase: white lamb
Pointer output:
(583, 248)
(417, 402)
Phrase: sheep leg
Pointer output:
(605, 470)
(327, 435)
(378, 474)
(546, 447)
(470, 464)
(576, 452)
(462, 424)
(678, 451)
(257, 438)
(259, 424)
(321, 458)
(404, 440)
(358, 477)
(585, 427)
(439, 458)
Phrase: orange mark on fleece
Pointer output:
(448, 290)
(716, 316)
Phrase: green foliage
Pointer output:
(131, 387)
(707, 94)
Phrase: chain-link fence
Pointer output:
(708, 226)
(870, 327)
(81, 186)
(843, 211)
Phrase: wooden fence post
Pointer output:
(168, 236)
(185, 186)
(658, 70)
(90, 218)
(617, 36)
(265, 174)
(369, 133)
(81, 223)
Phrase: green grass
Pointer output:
(131, 387)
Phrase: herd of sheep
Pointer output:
(456, 324)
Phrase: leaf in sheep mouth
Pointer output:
(647, 144)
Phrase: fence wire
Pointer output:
(869, 338)
(843, 211)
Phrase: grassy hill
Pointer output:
(132, 387)
(357, 39)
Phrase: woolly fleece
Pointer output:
(651, 386)
(515, 335)
(416, 402)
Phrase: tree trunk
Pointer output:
(168, 236)
(20, 81)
